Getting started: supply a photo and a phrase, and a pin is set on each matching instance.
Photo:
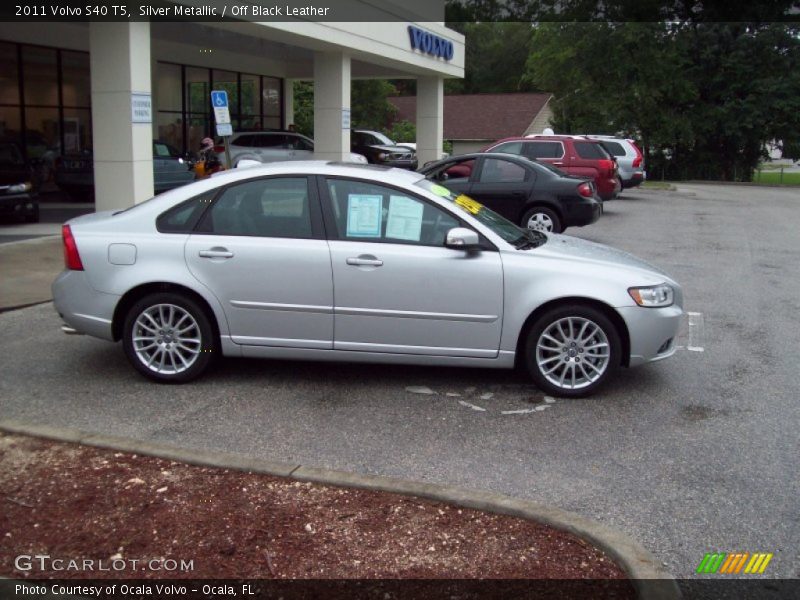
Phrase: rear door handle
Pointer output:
(364, 261)
(216, 253)
(558, 164)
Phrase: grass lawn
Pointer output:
(657, 185)
(775, 177)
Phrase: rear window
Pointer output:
(183, 217)
(544, 149)
(509, 148)
(590, 150)
(614, 148)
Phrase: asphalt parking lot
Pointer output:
(695, 454)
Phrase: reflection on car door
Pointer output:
(260, 249)
(397, 289)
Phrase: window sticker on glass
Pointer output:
(469, 204)
(364, 212)
(440, 190)
(405, 219)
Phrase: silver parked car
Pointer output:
(332, 261)
(630, 160)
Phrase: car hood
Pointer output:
(565, 247)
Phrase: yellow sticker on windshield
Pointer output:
(440, 190)
(469, 204)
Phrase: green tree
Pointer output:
(703, 98)
(370, 107)
(304, 107)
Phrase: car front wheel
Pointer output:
(572, 351)
(540, 218)
(169, 338)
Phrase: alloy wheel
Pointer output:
(166, 339)
(573, 352)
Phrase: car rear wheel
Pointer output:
(169, 338)
(572, 351)
(540, 218)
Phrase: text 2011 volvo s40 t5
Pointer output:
(331, 261)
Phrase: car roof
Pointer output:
(320, 167)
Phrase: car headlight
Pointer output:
(382, 156)
(20, 188)
(654, 296)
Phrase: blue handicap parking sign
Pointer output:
(219, 99)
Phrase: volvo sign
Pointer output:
(429, 43)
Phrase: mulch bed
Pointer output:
(78, 502)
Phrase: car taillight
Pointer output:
(72, 260)
(637, 162)
(585, 190)
(219, 149)
(607, 164)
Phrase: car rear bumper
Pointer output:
(583, 212)
(607, 188)
(652, 332)
(83, 308)
(634, 180)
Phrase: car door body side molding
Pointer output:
(370, 312)
(304, 308)
(426, 350)
(412, 314)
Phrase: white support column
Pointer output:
(331, 100)
(430, 118)
(123, 150)
(288, 102)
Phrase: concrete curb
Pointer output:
(651, 580)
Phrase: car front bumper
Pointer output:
(19, 205)
(652, 331)
(400, 164)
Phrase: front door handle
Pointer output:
(364, 261)
(558, 164)
(216, 252)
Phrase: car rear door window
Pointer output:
(543, 149)
(183, 217)
(590, 150)
(509, 148)
(614, 148)
(501, 171)
(275, 207)
(246, 141)
(368, 212)
(270, 141)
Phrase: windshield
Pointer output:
(521, 238)
(382, 139)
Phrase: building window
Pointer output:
(254, 101)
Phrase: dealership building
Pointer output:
(113, 87)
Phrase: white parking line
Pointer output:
(696, 332)
(472, 406)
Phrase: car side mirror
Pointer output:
(461, 238)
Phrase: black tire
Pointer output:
(572, 356)
(546, 213)
(199, 363)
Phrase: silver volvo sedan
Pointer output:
(332, 261)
